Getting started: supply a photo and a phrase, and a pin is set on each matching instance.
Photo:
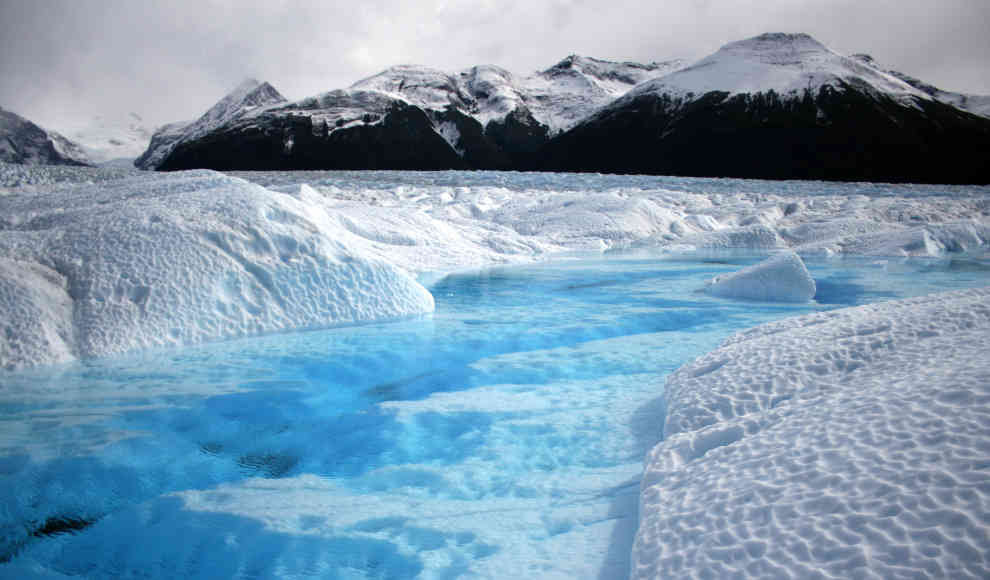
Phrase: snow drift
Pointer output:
(188, 258)
(112, 261)
(848, 443)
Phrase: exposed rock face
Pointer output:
(488, 118)
(976, 104)
(835, 133)
(248, 99)
(777, 106)
(403, 138)
(780, 106)
(21, 141)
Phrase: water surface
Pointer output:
(501, 437)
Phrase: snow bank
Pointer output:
(181, 259)
(781, 278)
(849, 443)
(164, 259)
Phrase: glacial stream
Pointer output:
(501, 437)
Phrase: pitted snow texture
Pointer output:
(781, 278)
(846, 444)
(181, 259)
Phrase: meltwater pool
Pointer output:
(501, 437)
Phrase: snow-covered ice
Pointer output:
(782, 278)
(850, 443)
(843, 443)
(180, 259)
(143, 260)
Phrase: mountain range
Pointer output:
(21, 141)
(779, 106)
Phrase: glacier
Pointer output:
(182, 259)
(840, 444)
(131, 260)
(843, 442)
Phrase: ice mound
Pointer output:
(849, 443)
(780, 278)
(181, 259)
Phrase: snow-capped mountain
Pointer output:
(21, 141)
(780, 106)
(557, 97)
(773, 106)
(484, 116)
(976, 104)
(788, 64)
(105, 139)
(247, 99)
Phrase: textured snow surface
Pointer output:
(842, 444)
(152, 260)
(180, 259)
(787, 64)
(781, 278)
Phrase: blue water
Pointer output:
(501, 436)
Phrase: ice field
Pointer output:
(490, 375)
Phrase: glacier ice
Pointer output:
(165, 259)
(782, 278)
(181, 259)
(845, 442)
(842, 443)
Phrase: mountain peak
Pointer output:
(24, 142)
(248, 98)
(247, 85)
(779, 48)
(786, 63)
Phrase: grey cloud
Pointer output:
(172, 60)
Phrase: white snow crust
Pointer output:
(788, 64)
(165, 259)
(845, 443)
(181, 259)
(781, 278)
(558, 97)
(842, 444)
(976, 104)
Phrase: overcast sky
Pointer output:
(61, 60)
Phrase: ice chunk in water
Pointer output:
(781, 278)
